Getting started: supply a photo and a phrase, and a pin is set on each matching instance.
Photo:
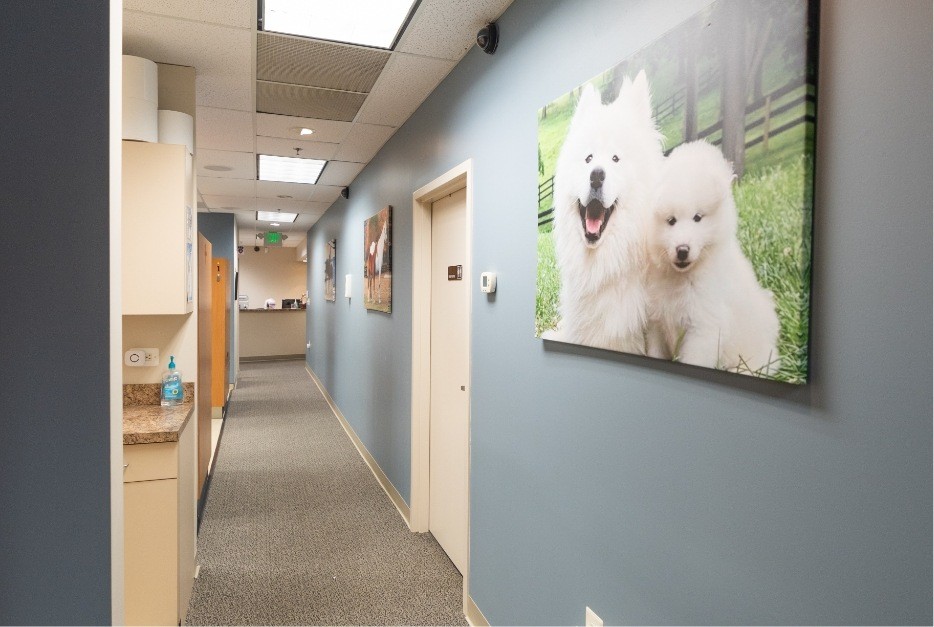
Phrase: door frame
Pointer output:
(458, 177)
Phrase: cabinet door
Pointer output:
(157, 230)
(150, 510)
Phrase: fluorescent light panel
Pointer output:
(275, 216)
(374, 23)
(290, 169)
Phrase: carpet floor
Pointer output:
(296, 530)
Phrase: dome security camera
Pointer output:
(256, 249)
(488, 38)
(345, 192)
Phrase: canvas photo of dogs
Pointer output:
(377, 261)
(676, 194)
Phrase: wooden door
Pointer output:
(449, 421)
(204, 359)
(220, 323)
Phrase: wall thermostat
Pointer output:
(488, 282)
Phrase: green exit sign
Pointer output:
(273, 238)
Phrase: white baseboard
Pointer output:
(381, 477)
(473, 614)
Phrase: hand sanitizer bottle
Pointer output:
(172, 393)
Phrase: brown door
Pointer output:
(220, 358)
(205, 283)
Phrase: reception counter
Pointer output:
(272, 334)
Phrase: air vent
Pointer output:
(312, 63)
(307, 102)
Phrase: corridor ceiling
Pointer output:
(255, 89)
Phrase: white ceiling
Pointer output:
(219, 39)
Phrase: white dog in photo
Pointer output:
(706, 306)
(604, 181)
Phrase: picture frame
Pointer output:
(377, 261)
(688, 163)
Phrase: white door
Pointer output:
(449, 423)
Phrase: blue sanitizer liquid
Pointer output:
(172, 392)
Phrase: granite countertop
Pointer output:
(145, 421)
(149, 424)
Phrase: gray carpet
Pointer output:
(296, 530)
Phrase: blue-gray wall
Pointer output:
(54, 340)
(220, 230)
(656, 493)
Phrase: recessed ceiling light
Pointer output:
(218, 168)
(275, 216)
(290, 169)
(375, 23)
(301, 131)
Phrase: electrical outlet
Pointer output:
(141, 357)
(591, 619)
(308, 345)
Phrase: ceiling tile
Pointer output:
(230, 203)
(222, 56)
(224, 92)
(242, 164)
(402, 87)
(328, 194)
(340, 173)
(214, 186)
(330, 131)
(286, 148)
(238, 13)
(278, 204)
(224, 129)
(433, 33)
(272, 189)
(302, 61)
(327, 104)
(363, 142)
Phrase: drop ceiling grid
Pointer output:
(235, 13)
(225, 129)
(404, 84)
(432, 32)
(242, 164)
(221, 55)
(363, 141)
(286, 148)
(328, 131)
(214, 186)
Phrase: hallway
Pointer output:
(296, 529)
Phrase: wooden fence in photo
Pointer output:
(762, 111)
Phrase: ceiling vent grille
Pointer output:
(307, 102)
(314, 63)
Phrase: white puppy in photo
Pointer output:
(706, 305)
(604, 180)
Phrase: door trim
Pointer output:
(458, 177)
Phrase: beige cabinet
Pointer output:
(158, 229)
(159, 529)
